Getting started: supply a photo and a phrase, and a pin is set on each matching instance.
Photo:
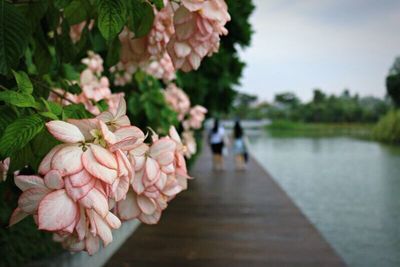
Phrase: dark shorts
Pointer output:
(217, 148)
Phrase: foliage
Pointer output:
(393, 82)
(213, 84)
(147, 106)
(324, 108)
(245, 106)
(388, 128)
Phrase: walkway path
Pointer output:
(228, 219)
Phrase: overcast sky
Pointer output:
(299, 45)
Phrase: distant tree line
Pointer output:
(322, 108)
(329, 108)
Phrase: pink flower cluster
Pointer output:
(177, 99)
(191, 117)
(162, 68)
(147, 52)
(94, 87)
(179, 102)
(198, 26)
(196, 116)
(102, 173)
(182, 35)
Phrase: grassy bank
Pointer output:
(388, 128)
(290, 128)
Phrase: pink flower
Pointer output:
(113, 101)
(190, 144)
(133, 50)
(178, 100)
(140, 52)
(80, 176)
(77, 154)
(181, 174)
(4, 165)
(102, 164)
(162, 68)
(56, 210)
(94, 62)
(123, 72)
(196, 117)
(154, 184)
(145, 207)
(193, 5)
(76, 30)
(198, 26)
(163, 29)
(94, 88)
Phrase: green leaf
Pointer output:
(102, 105)
(21, 100)
(42, 87)
(61, 3)
(30, 67)
(23, 81)
(33, 11)
(76, 12)
(41, 56)
(111, 18)
(43, 143)
(21, 158)
(7, 115)
(49, 115)
(19, 133)
(74, 89)
(113, 52)
(65, 49)
(14, 36)
(54, 107)
(76, 111)
(141, 17)
(69, 72)
(66, 85)
(158, 3)
(98, 42)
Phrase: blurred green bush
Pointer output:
(388, 128)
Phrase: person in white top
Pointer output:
(216, 140)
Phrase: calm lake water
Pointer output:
(349, 189)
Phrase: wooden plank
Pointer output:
(228, 219)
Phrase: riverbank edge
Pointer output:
(284, 128)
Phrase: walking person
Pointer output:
(216, 140)
(239, 147)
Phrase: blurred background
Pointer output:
(320, 95)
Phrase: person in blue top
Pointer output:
(239, 147)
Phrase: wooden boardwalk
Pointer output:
(228, 219)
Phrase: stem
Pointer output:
(53, 91)
(61, 96)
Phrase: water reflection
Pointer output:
(350, 189)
